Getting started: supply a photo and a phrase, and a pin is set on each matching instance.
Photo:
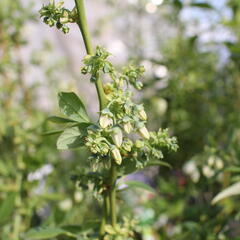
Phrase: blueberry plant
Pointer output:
(119, 143)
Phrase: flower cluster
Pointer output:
(132, 74)
(56, 15)
(123, 232)
(97, 63)
(121, 133)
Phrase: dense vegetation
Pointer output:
(190, 86)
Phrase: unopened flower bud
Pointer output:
(63, 20)
(143, 115)
(207, 171)
(139, 144)
(127, 145)
(105, 121)
(59, 25)
(138, 85)
(219, 163)
(117, 136)
(84, 70)
(59, 4)
(127, 127)
(65, 29)
(116, 155)
(104, 149)
(144, 132)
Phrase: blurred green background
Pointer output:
(191, 52)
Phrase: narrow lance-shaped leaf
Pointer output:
(53, 132)
(202, 5)
(71, 106)
(56, 119)
(228, 192)
(159, 163)
(136, 184)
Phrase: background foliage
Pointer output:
(191, 87)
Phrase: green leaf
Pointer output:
(76, 229)
(159, 163)
(234, 169)
(202, 5)
(53, 132)
(72, 137)
(228, 192)
(71, 106)
(7, 207)
(46, 233)
(56, 119)
(136, 184)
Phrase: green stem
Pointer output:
(113, 178)
(109, 198)
(105, 214)
(82, 23)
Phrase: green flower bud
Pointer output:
(127, 127)
(65, 29)
(116, 155)
(105, 121)
(84, 70)
(127, 145)
(49, 21)
(59, 4)
(63, 20)
(219, 163)
(117, 136)
(141, 113)
(139, 144)
(59, 25)
(138, 85)
(104, 149)
(144, 132)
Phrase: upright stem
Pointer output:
(113, 178)
(110, 197)
(105, 214)
(82, 23)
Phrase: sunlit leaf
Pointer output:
(71, 106)
(72, 137)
